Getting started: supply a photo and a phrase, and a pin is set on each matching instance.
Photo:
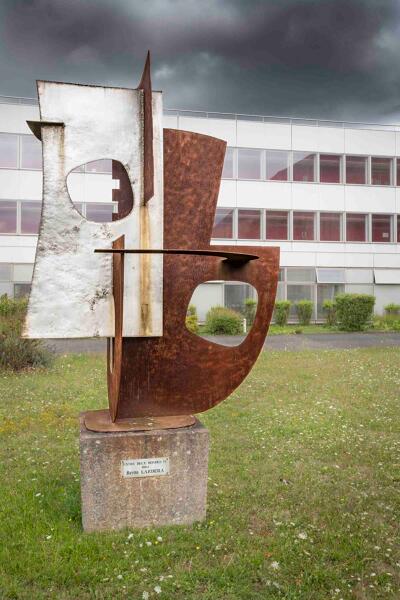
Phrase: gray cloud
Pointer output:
(323, 58)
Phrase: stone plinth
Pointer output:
(118, 494)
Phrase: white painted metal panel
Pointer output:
(359, 276)
(298, 259)
(253, 134)
(274, 195)
(331, 197)
(23, 272)
(387, 276)
(23, 254)
(358, 259)
(386, 294)
(72, 286)
(30, 185)
(367, 141)
(170, 121)
(206, 296)
(277, 136)
(97, 188)
(318, 139)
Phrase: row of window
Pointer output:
(23, 216)
(284, 225)
(25, 152)
(283, 165)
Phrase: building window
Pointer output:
(330, 227)
(31, 152)
(295, 293)
(227, 171)
(397, 171)
(8, 217)
(249, 163)
(326, 292)
(223, 223)
(276, 225)
(381, 170)
(30, 217)
(356, 169)
(21, 290)
(398, 229)
(249, 224)
(329, 168)
(104, 165)
(5, 272)
(236, 293)
(301, 275)
(303, 225)
(277, 165)
(8, 151)
(100, 213)
(79, 207)
(303, 166)
(381, 228)
(356, 227)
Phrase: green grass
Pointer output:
(303, 489)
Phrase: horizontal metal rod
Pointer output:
(238, 257)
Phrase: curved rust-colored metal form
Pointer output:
(181, 373)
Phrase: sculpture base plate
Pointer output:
(100, 420)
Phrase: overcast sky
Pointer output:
(335, 59)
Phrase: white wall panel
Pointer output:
(306, 196)
(319, 139)
(368, 198)
(12, 254)
(170, 121)
(227, 193)
(224, 129)
(298, 259)
(330, 259)
(17, 241)
(263, 135)
(386, 294)
(30, 185)
(357, 259)
(23, 272)
(98, 188)
(13, 117)
(255, 194)
(388, 261)
(205, 296)
(331, 197)
(9, 184)
(359, 276)
(364, 141)
(277, 195)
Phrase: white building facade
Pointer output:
(327, 193)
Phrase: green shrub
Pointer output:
(17, 353)
(354, 311)
(249, 310)
(281, 312)
(192, 311)
(392, 309)
(192, 323)
(223, 321)
(329, 308)
(304, 310)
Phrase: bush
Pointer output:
(223, 321)
(192, 323)
(304, 310)
(249, 310)
(329, 307)
(281, 312)
(392, 309)
(17, 353)
(354, 311)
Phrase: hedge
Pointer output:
(281, 312)
(223, 321)
(304, 310)
(354, 311)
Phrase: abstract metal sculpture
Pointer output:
(131, 280)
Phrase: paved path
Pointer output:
(292, 343)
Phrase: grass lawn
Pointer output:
(303, 489)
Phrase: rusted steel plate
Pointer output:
(180, 373)
(99, 420)
(114, 345)
(234, 257)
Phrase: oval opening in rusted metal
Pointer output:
(101, 190)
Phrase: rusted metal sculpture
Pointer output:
(157, 381)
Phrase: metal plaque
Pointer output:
(145, 467)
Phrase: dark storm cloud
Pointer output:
(326, 58)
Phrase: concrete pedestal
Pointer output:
(120, 488)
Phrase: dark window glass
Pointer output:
(356, 169)
(227, 171)
(223, 223)
(101, 213)
(276, 225)
(330, 227)
(236, 294)
(381, 228)
(277, 165)
(356, 229)
(103, 165)
(380, 170)
(303, 226)
(329, 168)
(295, 293)
(326, 291)
(8, 151)
(397, 171)
(249, 224)
(31, 152)
(30, 217)
(303, 166)
(21, 290)
(249, 163)
(8, 217)
(398, 229)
